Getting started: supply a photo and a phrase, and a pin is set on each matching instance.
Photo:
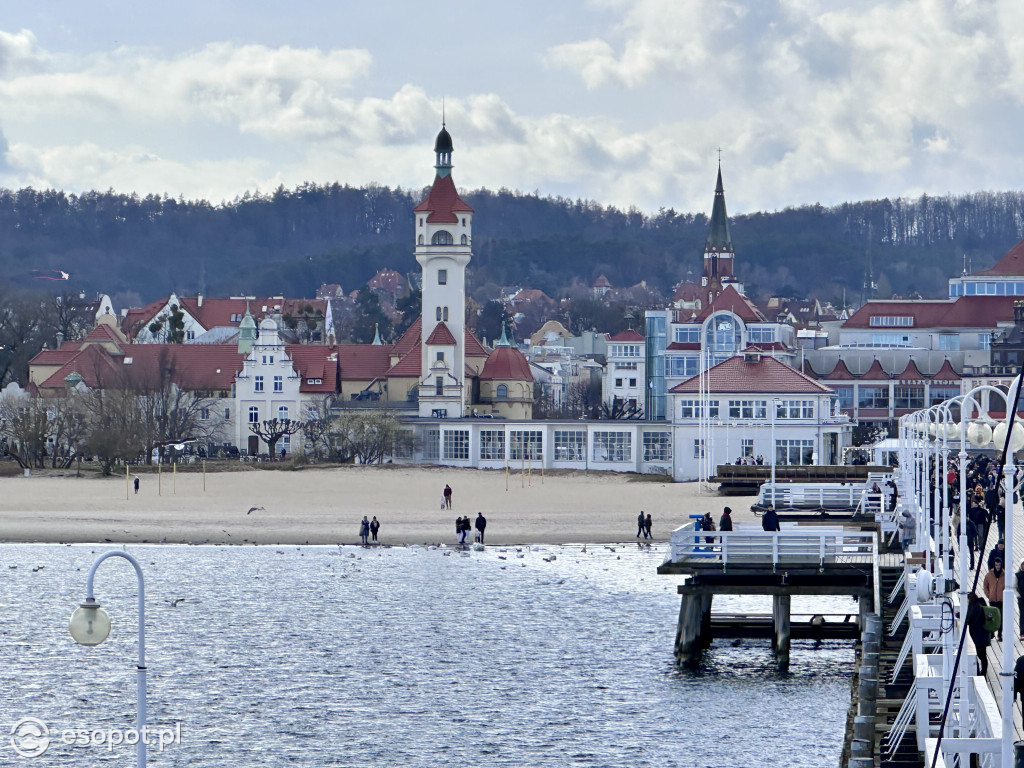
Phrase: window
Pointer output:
(439, 385)
(891, 321)
(282, 413)
(984, 341)
(632, 382)
(794, 452)
(254, 414)
(465, 240)
(525, 445)
(683, 366)
(204, 414)
(227, 414)
(463, 221)
(258, 384)
(268, 359)
(432, 444)
(938, 395)
(686, 334)
(618, 382)
(613, 446)
(890, 340)
(442, 277)
(949, 342)
(456, 444)
(746, 447)
(440, 356)
(908, 397)
(189, 335)
(419, 239)
(502, 393)
(748, 409)
(873, 397)
(626, 366)
(421, 221)
(492, 444)
(760, 334)
(657, 446)
(314, 381)
(691, 409)
(698, 449)
(442, 237)
(795, 409)
(570, 445)
(444, 314)
(623, 350)
(439, 314)
(279, 383)
(845, 395)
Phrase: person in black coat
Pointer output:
(770, 520)
(979, 635)
(726, 522)
(481, 524)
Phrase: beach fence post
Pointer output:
(522, 473)
(159, 477)
(506, 474)
(174, 479)
(204, 475)
(127, 480)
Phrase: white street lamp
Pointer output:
(776, 403)
(90, 626)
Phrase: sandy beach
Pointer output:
(324, 506)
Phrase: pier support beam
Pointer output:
(780, 623)
(693, 632)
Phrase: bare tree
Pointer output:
(316, 428)
(272, 430)
(368, 436)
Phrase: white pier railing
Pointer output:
(792, 545)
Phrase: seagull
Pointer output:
(255, 509)
(175, 602)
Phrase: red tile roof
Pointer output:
(1010, 264)
(740, 375)
(911, 372)
(441, 335)
(964, 312)
(443, 202)
(409, 339)
(840, 372)
(506, 364)
(313, 361)
(56, 356)
(687, 292)
(102, 332)
(946, 372)
(730, 299)
(684, 345)
(410, 366)
(627, 335)
(473, 346)
(875, 371)
(364, 361)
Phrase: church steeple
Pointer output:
(443, 152)
(718, 252)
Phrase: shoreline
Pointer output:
(323, 506)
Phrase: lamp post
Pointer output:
(776, 402)
(90, 626)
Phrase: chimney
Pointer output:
(199, 300)
(60, 339)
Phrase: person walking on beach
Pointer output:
(648, 522)
(726, 522)
(481, 524)
(770, 520)
(364, 531)
(447, 496)
(993, 585)
(374, 527)
(136, 484)
(640, 520)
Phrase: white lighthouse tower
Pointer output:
(444, 236)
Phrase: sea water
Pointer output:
(327, 656)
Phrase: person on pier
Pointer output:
(976, 627)
(726, 522)
(770, 520)
(993, 586)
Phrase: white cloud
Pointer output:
(19, 51)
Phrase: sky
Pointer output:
(626, 103)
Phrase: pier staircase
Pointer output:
(895, 681)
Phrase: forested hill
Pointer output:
(291, 241)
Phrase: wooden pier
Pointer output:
(798, 560)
